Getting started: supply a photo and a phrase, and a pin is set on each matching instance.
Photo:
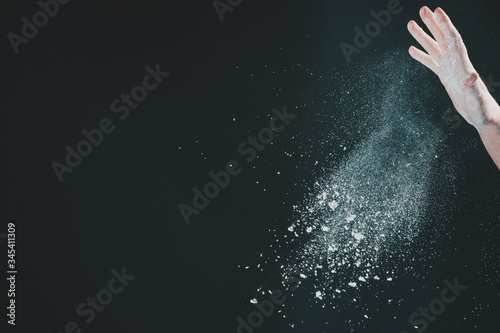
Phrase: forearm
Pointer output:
(490, 135)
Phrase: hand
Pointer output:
(447, 57)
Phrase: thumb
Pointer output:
(471, 80)
(475, 91)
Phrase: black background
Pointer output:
(119, 208)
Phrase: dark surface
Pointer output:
(119, 208)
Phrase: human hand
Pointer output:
(447, 57)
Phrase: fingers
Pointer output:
(431, 23)
(424, 39)
(449, 31)
(424, 59)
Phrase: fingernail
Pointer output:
(422, 11)
(438, 12)
(471, 80)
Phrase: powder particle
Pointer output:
(333, 205)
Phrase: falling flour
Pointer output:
(363, 214)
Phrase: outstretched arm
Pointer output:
(447, 57)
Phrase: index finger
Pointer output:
(431, 23)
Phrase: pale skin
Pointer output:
(446, 55)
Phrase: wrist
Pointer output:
(491, 119)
